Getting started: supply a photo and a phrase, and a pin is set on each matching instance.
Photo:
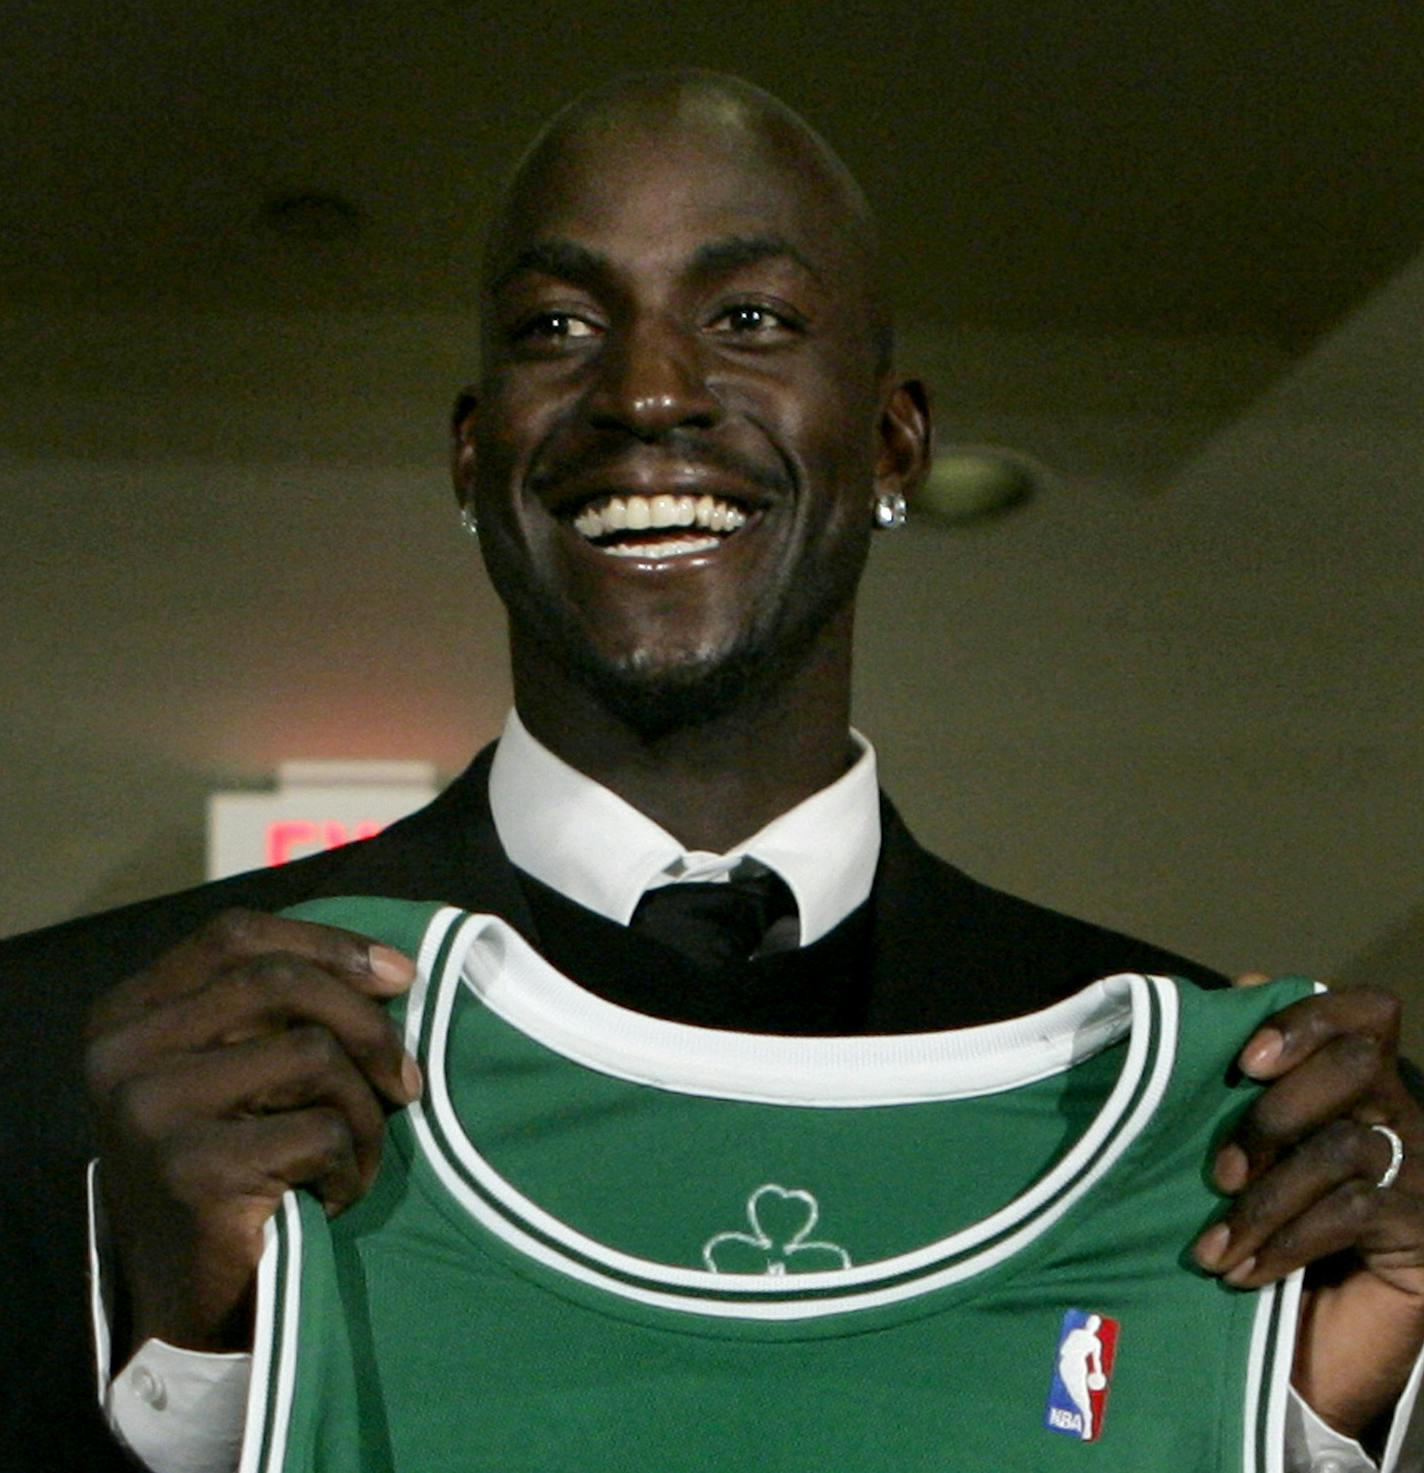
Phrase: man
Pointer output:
(686, 426)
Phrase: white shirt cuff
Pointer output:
(177, 1411)
(1314, 1447)
(181, 1411)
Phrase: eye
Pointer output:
(751, 319)
(555, 327)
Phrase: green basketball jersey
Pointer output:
(604, 1241)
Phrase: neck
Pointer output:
(713, 784)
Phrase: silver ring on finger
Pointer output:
(1396, 1157)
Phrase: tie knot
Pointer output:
(715, 923)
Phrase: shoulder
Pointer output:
(49, 978)
(142, 930)
(991, 954)
(413, 859)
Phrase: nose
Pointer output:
(651, 381)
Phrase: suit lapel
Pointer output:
(448, 851)
(916, 916)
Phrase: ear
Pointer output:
(906, 439)
(462, 446)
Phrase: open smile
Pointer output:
(661, 526)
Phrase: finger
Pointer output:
(1357, 1218)
(1331, 1225)
(1335, 1164)
(189, 1251)
(296, 1069)
(271, 993)
(1250, 979)
(245, 1165)
(237, 936)
(1297, 1031)
(1350, 1073)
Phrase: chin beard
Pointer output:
(657, 700)
(692, 688)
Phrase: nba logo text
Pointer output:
(1082, 1374)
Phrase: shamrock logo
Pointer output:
(781, 1220)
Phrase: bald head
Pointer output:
(729, 137)
(682, 320)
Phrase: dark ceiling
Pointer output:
(1082, 165)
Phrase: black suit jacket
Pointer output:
(944, 952)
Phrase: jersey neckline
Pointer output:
(515, 983)
(484, 956)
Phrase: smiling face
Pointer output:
(682, 418)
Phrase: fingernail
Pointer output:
(1232, 1169)
(390, 966)
(1212, 1245)
(410, 1077)
(1263, 1051)
(1243, 1271)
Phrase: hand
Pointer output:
(1302, 1165)
(252, 1057)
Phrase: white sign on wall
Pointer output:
(315, 806)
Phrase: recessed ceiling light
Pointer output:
(973, 483)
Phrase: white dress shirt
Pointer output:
(590, 845)
(181, 1411)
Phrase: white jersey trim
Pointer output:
(519, 986)
(497, 1205)
(1268, 1371)
(275, 1341)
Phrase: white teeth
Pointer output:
(636, 513)
(651, 551)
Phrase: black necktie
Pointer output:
(715, 923)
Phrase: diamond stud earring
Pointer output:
(890, 511)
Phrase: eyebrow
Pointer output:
(720, 257)
(561, 258)
(569, 261)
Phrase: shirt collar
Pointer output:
(583, 840)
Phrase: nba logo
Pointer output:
(1082, 1371)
